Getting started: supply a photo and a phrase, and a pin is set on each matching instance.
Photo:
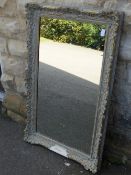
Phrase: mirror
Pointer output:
(72, 57)
(70, 62)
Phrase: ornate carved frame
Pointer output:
(113, 22)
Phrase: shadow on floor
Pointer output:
(20, 158)
(66, 107)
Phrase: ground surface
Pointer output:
(82, 62)
(20, 158)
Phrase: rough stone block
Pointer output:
(110, 5)
(18, 48)
(122, 93)
(15, 103)
(20, 85)
(81, 4)
(2, 63)
(3, 46)
(8, 25)
(12, 26)
(125, 47)
(127, 9)
(124, 53)
(118, 145)
(13, 65)
(23, 109)
(117, 91)
(127, 29)
(15, 117)
(8, 81)
(2, 3)
(128, 19)
(126, 40)
(9, 9)
(121, 71)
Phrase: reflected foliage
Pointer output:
(84, 34)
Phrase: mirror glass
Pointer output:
(70, 64)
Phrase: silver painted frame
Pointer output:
(113, 20)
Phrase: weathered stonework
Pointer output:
(16, 117)
(13, 60)
(15, 103)
(17, 48)
(9, 9)
(2, 3)
(12, 28)
(110, 5)
(3, 45)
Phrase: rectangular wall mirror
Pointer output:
(72, 58)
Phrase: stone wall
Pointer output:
(13, 59)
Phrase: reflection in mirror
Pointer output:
(70, 63)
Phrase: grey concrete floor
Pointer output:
(66, 107)
(20, 158)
